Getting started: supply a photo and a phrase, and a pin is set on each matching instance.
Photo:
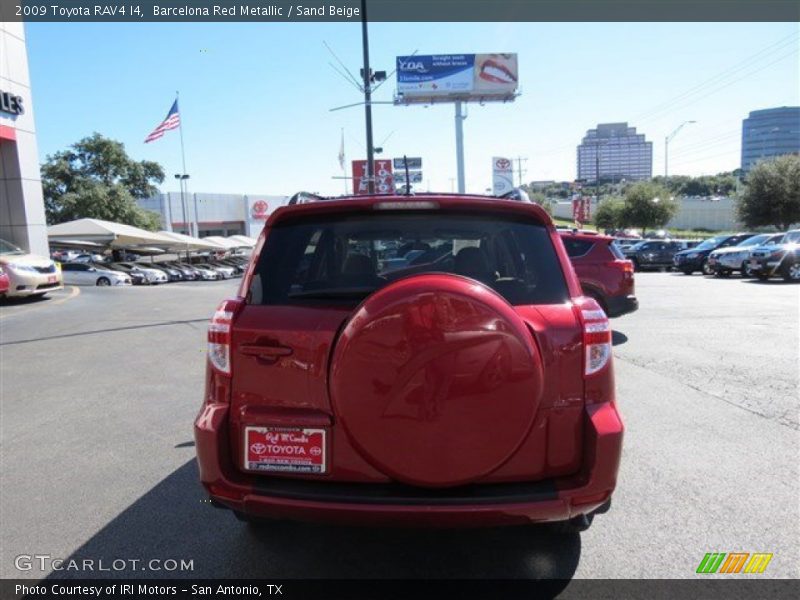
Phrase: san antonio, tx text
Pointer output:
(143, 590)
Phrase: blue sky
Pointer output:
(255, 98)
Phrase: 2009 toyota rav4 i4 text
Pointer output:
(471, 385)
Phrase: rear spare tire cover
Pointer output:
(436, 380)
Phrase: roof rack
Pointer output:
(516, 194)
(305, 197)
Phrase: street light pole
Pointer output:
(666, 145)
(367, 100)
(183, 204)
(182, 177)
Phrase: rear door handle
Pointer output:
(265, 351)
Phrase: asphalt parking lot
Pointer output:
(99, 389)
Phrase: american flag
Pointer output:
(173, 121)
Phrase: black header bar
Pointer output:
(141, 11)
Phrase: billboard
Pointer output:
(451, 77)
(502, 175)
(382, 171)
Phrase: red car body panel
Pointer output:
(604, 276)
(551, 452)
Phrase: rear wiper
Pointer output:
(351, 292)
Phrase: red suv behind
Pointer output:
(472, 385)
(604, 272)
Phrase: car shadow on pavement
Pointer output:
(772, 281)
(23, 300)
(174, 520)
(618, 338)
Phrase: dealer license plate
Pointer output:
(52, 279)
(285, 450)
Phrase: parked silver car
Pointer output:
(724, 261)
(78, 273)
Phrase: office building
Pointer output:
(769, 133)
(617, 152)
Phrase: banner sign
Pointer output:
(502, 175)
(414, 176)
(414, 163)
(382, 172)
(452, 77)
(581, 209)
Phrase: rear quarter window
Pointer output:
(345, 258)
(615, 250)
(577, 247)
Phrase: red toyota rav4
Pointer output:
(470, 385)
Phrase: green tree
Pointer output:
(772, 194)
(608, 214)
(96, 178)
(646, 205)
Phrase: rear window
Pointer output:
(346, 258)
(576, 247)
(615, 250)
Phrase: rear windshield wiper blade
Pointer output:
(334, 293)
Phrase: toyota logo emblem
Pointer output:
(259, 209)
(258, 448)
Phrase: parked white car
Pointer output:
(207, 274)
(86, 274)
(224, 272)
(153, 276)
(28, 274)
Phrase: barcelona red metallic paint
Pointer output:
(602, 276)
(436, 366)
(400, 404)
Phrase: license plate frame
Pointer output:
(273, 449)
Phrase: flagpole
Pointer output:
(183, 164)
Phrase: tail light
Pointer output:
(219, 335)
(626, 266)
(596, 336)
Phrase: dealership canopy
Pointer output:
(189, 243)
(113, 235)
(226, 243)
(243, 239)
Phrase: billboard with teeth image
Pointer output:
(496, 72)
(450, 77)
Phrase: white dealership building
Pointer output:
(22, 220)
(204, 214)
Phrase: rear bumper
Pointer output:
(693, 264)
(368, 504)
(621, 305)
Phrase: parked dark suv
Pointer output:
(653, 254)
(696, 259)
(476, 389)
